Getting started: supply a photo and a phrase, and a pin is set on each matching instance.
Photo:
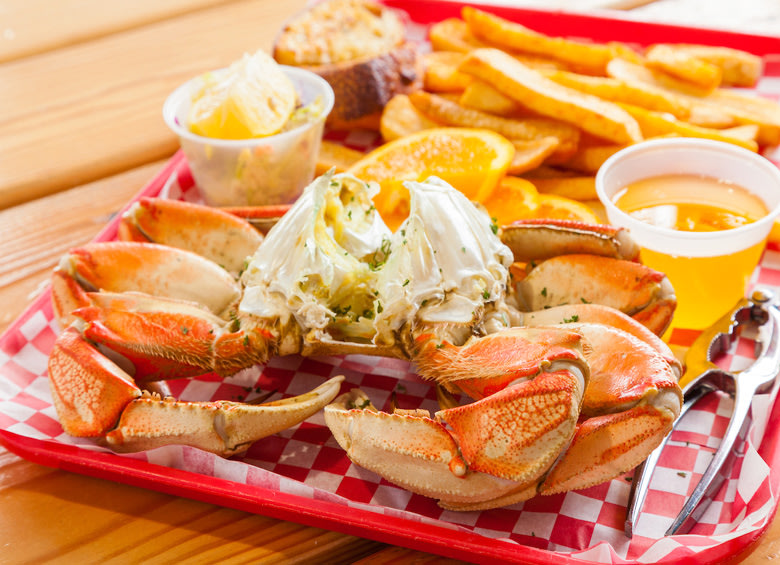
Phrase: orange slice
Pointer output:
(562, 208)
(513, 199)
(470, 159)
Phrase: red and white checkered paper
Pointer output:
(305, 461)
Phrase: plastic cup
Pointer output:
(709, 271)
(252, 172)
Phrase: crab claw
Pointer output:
(538, 239)
(630, 404)
(415, 452)
(531, 402)
(87, 406)
(634, 289)
(142, 267)
(95, 397)
(600, 314)
(209, 232)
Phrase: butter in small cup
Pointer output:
(709, 271)
(259, 171)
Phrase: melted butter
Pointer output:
(690, 203)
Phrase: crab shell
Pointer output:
(558, 405)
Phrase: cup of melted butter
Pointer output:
(701, 211)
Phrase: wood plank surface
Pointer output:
(94, 109)
(34, 26)
(52, 516)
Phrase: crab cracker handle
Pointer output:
(755, 379)
(644, 472)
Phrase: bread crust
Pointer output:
(362, 88)
(362, 85)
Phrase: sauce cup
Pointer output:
(709, 271)
(258, 171)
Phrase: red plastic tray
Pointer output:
(431, 535)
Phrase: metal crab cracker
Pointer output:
(704, 376)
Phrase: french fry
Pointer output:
(589, 159)
(631, 72)
(441, 72)
(709, 115)
(453, 34)
(747, 109)
(452, 114)
(548, 172)
(335, 156)
(683, 65)
(657, 124)
(576, 188)
(479, 95)
(401, 118)
(623, 51)
(586, 57)
(529, 88)
(616, 90)
(748, 132)
(530, 153)
(738, 68)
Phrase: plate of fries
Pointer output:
(568, 101)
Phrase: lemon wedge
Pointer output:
(252, 98)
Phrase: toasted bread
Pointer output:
(358, 46)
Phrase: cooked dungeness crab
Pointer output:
(568, 393)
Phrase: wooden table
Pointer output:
(82, 84)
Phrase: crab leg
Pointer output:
(95, 397)
(581, 262)
(167, 338)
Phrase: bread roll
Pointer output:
(359, 47)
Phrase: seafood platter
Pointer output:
(461, 358)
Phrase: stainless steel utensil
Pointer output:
(701, 377)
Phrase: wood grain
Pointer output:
(94, 109)
(78, 519)
(29, 26)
